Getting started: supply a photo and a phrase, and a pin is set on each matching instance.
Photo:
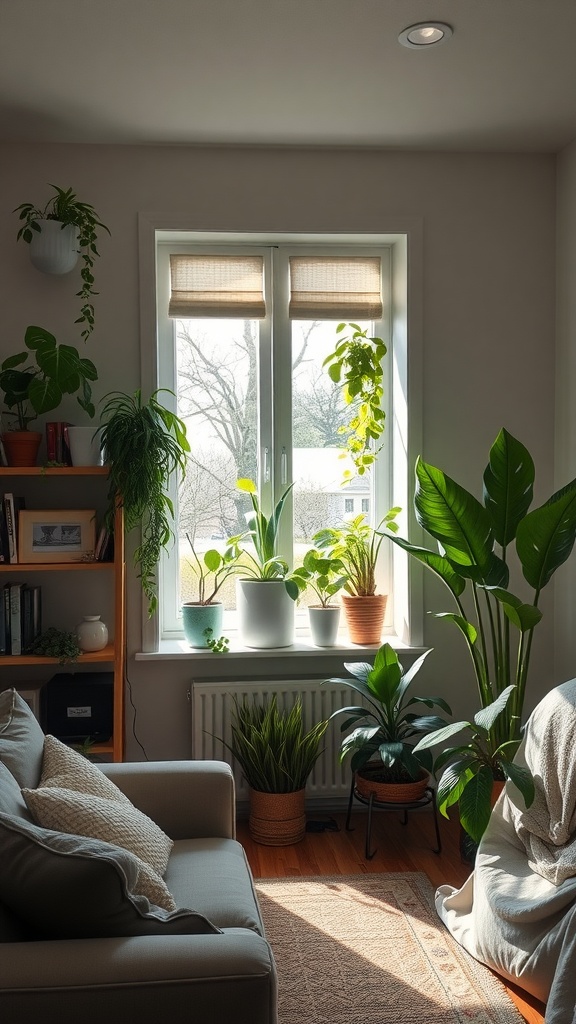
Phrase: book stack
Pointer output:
(57, 448)
(104, 549)
(20, 617)
(11, 505)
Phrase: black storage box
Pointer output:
(77, 705)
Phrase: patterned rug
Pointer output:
(369, 949)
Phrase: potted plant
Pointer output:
(475, 542)
(384, 758)
(267, 591)
(202, 619)
(276, 756)
(144, 444)
(356, 364)
(57, 233)
(326, 578)
(34, 382)
(357, 545)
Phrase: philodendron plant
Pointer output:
(475, 542)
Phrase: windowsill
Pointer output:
(180, 650)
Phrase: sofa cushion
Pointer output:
(64, 768)
(11, 799)
(100, 818)
(213, 876)
(21, 739)
(65, 886)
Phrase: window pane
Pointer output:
(216, 386)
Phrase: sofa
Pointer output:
(91, 929)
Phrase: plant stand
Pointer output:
(424, 801)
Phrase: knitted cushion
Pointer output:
(65, 768)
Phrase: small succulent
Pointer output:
(56, 643)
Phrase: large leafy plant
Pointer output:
(391, 719)
(326, 576)
(145, 443)
(271, 746)
(35, 381)
(475, 541)
(356, 545)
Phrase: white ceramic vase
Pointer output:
(324, 624)
(92, 633)
(84, 444)
(54, 249)
(265, 613)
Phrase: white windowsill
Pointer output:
(176, 650)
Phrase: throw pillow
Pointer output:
(72, 887)
(21, 739)
(86, 815)
(64, 768)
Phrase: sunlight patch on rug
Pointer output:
(370, 949)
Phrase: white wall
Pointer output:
(488, 308)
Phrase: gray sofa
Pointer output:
(75, 947)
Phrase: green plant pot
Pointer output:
(198, 617)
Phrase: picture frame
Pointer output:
(56, 535)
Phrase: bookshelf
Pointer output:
(79, 489)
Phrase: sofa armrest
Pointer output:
(229, 978)
(187, 799)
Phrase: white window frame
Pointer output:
(404, 367)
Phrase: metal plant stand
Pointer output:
(424, 801)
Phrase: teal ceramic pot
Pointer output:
(198, 617)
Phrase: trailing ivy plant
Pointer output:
(66, 208)
(145, 443)
(56, 643)
(356, 365)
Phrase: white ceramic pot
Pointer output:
(54, 249)
(84, 444)
(92, 633)
(265, 613)
(324, 624)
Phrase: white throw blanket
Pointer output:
(517, 910)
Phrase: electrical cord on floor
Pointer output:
(134, 708)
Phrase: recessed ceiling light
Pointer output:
(426, 33)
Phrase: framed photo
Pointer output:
(56, 535)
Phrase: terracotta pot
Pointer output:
(21, 447)
(366, 782)
(364, 617)
(277, 819)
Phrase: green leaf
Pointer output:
(523, 616)
(546, 536)
(486, 717)
(441, 735)
(469, 631)
(384, 677)
(453, 516)
(522, 779)
(452, 784)
(248, 486)
(508, 486)
(476, 803)
(212, 560)
(434, 561)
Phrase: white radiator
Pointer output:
(211, 718)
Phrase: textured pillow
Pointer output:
(65, 768)
(99, 818)
(68, 887)
(21, 739)
(11, 799)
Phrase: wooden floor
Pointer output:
(399, 848)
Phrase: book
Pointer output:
(3, 458)
(5, 611)
(4, 553)
(12, 505)
(57, 448)
(16, 618)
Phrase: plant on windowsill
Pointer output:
(144, 444)
(57, 233)
(205, 615)
(34, 382)
(326, 577)
(472, 559)
(356, 364)
(267, 590)
(357, 545)
(385, 760)
(276, 756)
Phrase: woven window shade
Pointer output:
(335, 288)
(222, 286)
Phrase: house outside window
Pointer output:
(258, 403)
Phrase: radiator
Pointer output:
(211, 723)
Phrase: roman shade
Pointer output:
(335, 288)
(216, 286)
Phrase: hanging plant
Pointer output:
(145, 443)
(356, 365)
(66, 208)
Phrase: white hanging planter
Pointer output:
(265, 613)
(54, 249)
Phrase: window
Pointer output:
(243, 331)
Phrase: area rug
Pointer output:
(369, 949)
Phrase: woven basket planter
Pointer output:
(277, 819)
(364, 617)
(367, 783)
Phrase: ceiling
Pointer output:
(288, 72)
